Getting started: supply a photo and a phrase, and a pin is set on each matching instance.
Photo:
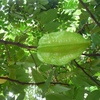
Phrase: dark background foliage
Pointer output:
(22, 24)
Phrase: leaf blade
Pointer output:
(59, 48)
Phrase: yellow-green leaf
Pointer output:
(3, 80)
(59, 48)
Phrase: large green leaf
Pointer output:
(59, 48)
(95, 95)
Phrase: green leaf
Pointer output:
(95, 95)
(2, 97)
(20, 54)
(95, 30)
(44, 68)
(96, 38)
(52, 26)
(38, 62)
(47, 83)
(37, 76)
(59, 48)
(1, 36)
(53, 96)
(4, 2)
(17, 88)
(81, 81)
(21, 96)
(59, 89)
(46, 17)
(79, 94)
(43, 2)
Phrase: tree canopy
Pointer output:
(49, 49)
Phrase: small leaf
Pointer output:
(59, 89)
(53, 96)
(37, 76)
(47, 83)
(4, 2)
(46, 16)
(79, 93)
(96, 38)
(59, 48)
(52, 26)
(43, 2)
(3, 80)
(21, 96)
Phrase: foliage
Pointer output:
(24, 24)
(52, 47)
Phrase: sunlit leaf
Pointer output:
(3, 80)
(4, 2)
(59, 48)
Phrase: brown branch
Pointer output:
(90, 13)
(30, 83)
(18, 44)
(91, 55)
(87, 73)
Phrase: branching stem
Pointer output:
(18, 44)
(30, 83)
(91, 55)
(87, 73)
(90, 13)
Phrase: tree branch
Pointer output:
(18, 44)
(87, 73)
(90, 13)
(91, 55)
(31, 83)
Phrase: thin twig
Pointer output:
(91, 55)
(86, 73)
(90, 13)
(33, 59)
(30, 83)
(18, 44)
(83, 27)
